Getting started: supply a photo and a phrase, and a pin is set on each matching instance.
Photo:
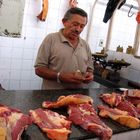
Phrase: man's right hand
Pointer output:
(71, 78)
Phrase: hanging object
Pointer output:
(1, 3)
(73, 3)
(138, 17)
(42, 16)
(111, 7)
(130, 15)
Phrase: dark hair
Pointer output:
(73, 11)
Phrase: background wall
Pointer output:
(17, 55)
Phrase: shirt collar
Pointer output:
(63, 39)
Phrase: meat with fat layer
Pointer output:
(67, 100)
(121, 102)
(3, 129)
(112, 99)
(119, 116)
(12, 123)
(85, 116)
(56, 126)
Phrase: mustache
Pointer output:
(76, 32)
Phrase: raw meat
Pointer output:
(67, 100)
(119, 116)
(56, 126)
(42, 16)
(12, 123)
(111, 99)
(129, 107)
(120, 102)
(132, 93)
(85, 116)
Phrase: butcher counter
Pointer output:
(32, 99)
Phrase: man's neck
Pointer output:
(73, 41)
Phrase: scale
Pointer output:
(101, 64)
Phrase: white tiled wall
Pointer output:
(17, 55)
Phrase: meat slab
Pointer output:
(85, 116)
(121, 102)
(56, 126)
(133, 96)
(67, 100)
(119, 116)
(12, 123)
(112, 99)
(132, 93)
(42, 16)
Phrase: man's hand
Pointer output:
(88, 77)
(71, 78)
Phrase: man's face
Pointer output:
(74, 26)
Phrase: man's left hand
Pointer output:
(88, 77)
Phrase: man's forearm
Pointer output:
(46, 73)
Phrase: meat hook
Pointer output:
(130, 15)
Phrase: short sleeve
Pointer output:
(44, 51)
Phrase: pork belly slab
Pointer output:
(56, 126)
(119, 116)
(85, 116)
(12, 123)
(67, 100)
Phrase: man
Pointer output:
(64, 60)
